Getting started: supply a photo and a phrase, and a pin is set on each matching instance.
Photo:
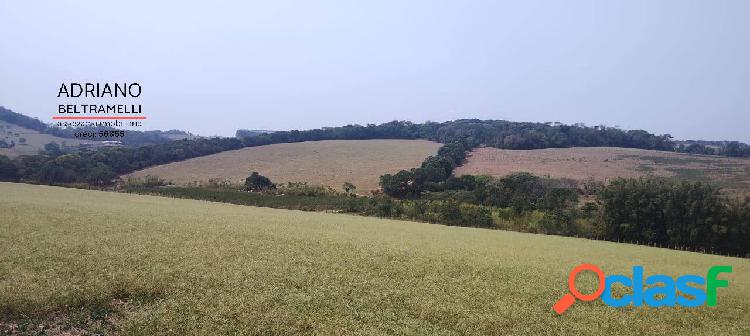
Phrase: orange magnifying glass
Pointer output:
(569, 299)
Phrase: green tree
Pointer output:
(257, 182)
(8, 170)
(684, 214)
(402, 184)
(52, 149)
(100, 175)
(349, 188)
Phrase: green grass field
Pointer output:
(76, 260)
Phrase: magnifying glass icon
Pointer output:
(569, 299)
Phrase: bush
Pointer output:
(8, 169)
(100, 175)
(222, 183)
(476, 216)
(148, 181)
(305, 189)
(257, 182)
(558, 222)
(384, 207)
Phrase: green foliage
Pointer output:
(349, 187)
(52, 149)
(433, 173)
(724, 148)
(215, 182)
(473, 215)
(8, 170)
(735, 149)
(81, 165)
(525, 192)
(458, 136)
(464, 182)
(559, 222)
(327, 202)
(257, 182)
(305, 189)
(525, 135)
(639, 211)
(148, 181)
(100, 175)
(22, 120)
(403, 184)
(685, 214)
(65, 168)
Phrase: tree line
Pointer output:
(672, 214)
(101, 166)
(656, 212)
(471, 132)
(722, 148)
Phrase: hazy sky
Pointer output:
(679, 67)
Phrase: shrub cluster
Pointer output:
(678, 215)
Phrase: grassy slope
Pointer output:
(605, 163)
(219, 269)
(34, 140)
(329, 163)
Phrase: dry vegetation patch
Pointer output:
(329, 163)
(606, 163)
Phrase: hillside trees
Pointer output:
(100, 175)
(524, 192)
(684, 214)
(52, 149)
(53, 165)
(22, 120)
(434, 170)
(132, 137)
(735, 149)
(473, 132)
(524, 135)
(8, 170)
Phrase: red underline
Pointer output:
(98, 118)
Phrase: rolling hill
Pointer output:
(329, 162)
(29, 142)
(606, 163)
(80, 260)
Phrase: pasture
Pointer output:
(606, 163)
(328, 163)
(29, 142)
(80, 260)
